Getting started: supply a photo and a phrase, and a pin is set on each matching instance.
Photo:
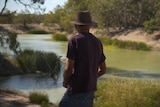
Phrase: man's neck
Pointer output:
(83, 29)
(83, 32)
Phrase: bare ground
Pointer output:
(14, 100)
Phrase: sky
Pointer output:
(49, 5)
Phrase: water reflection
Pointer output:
(132, 74)
(42, 43)
(28, 82)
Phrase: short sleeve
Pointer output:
(71, 49)
(102, 58)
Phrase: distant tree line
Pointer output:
(121, 14)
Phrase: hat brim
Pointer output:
(79, 23)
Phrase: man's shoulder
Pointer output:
(77, 36)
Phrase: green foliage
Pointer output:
(49, 18)
(63, 16)
(32, 61)
(107, 13)
(60, 37)
(7, 18)
(41, 98)
(8, 41)
(34, 31)
(105, 40)
(156, 99)
(123, 13)
(127, 93)
(46, 105)
(152, 25)
(125, 44)
(38, 97)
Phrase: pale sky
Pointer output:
(49, 5)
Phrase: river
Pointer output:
(120, 63)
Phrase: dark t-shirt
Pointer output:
(87, 52)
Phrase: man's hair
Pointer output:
(82, 27)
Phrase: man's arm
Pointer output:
(68, 70)
(102, 69)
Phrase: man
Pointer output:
(84, 64)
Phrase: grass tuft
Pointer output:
(132, 45)
(35, 31)
(60, 37)
(38, 97)
(32, 61)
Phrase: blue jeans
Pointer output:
(77, 100)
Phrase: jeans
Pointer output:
(77, 100)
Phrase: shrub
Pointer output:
(38, 97)
(49, 105)
(133, 45)
(60, 37)
(32, 61)
(33, 31)
(8, 42)
(105, 40)
(125, 44)
(143, 46)
(152, 25)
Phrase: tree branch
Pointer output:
(5, 3)
(35, 4)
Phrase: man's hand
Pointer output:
(68, 71)
(102, 69)
(65, 84)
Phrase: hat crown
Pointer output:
(83, 18)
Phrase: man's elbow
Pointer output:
(104, 70)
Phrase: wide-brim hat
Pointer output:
(83, 18)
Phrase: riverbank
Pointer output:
(139, 35)
(136, 34)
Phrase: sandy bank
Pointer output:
(140, 35)
(137, 34)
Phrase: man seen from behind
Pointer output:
(85, 62)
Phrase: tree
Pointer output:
(124, 13)
(49, 18)
(27, 3)
(7, 39)
(23, 18)
(8, 42)
(63, 16)
(7, 17)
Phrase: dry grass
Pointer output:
(128, 93)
